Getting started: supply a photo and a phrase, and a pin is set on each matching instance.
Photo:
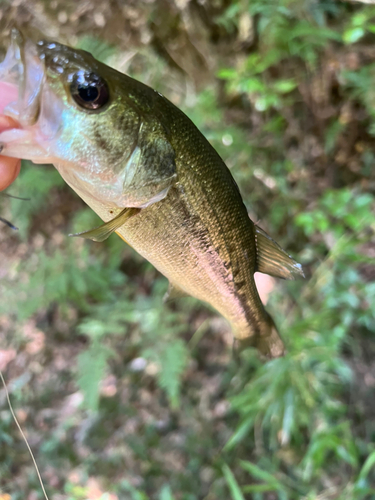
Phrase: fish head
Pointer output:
(76, 113)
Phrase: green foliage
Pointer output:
(359, 24)
(54, 279)
(295, 403)
(292, 411)
(234, 488)
(285, 31)
(166, 493)
(92, 364)
(345, 222)
(135, 494)
(360, 88)
(285, 487)
(172, 360)
(158, 343)
(100, 49)
(35, 184)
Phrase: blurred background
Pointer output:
(122, 397)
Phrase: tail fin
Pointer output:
(268, 342)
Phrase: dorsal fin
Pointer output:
(273, 260)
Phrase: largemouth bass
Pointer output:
(147, 171)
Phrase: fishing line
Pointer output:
(7, 195)
(9, 224)
(24, 437)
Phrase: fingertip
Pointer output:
(9, 170)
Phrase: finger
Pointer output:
(9, 169)
(7, 122)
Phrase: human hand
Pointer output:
(9, 167)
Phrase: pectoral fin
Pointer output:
(273, 260)
(102, 232)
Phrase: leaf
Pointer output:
(227, 74)
(91, 369)
(232, 484)
(367, 466)
(135, 494)
(353, 35)
(262, 475)
(172, 359)
(332, 134)
(240, 433)
(288, 420)
(166, 493)
(285, 86)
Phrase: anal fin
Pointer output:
(102, 232)
(174, 292)
(273, 260)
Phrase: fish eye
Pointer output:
(89, 90)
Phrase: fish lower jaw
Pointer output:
(20, 143)
(107, 189)
(105, 210)
(102, 201)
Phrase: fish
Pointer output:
(142, 165)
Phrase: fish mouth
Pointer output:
(21, 76)
(21, 82)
